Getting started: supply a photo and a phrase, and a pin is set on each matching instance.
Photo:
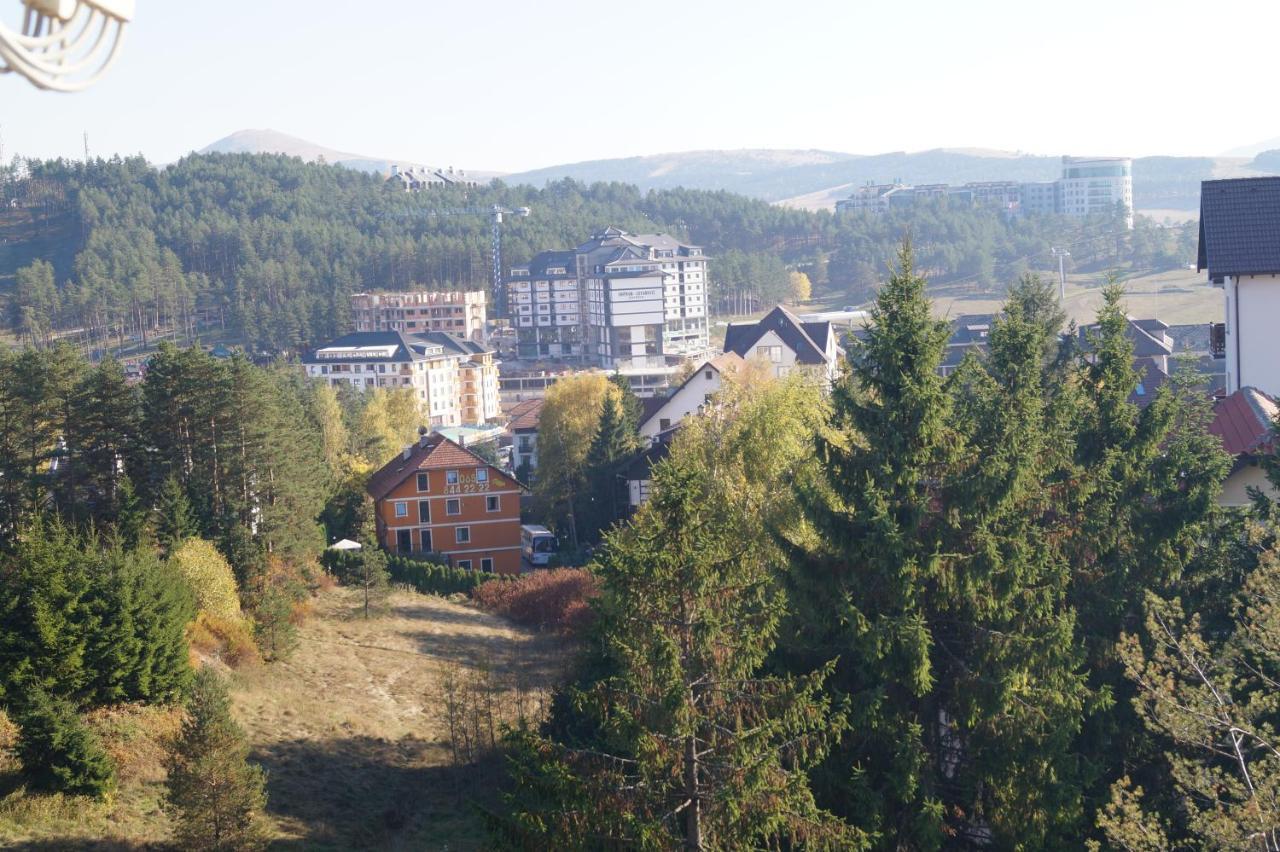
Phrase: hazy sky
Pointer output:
(512, 85)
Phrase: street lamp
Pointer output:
(65, 45)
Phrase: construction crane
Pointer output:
(495, 214)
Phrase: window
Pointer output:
(424, 482)
(464, 564)
(425, 535)
(451, 477)
(486, 565)
(424, 511)
(482, 474)
(404, 541)
(664, 424)
(402, 509)
(709, 375)
(770, 353)
(492, 503)
(462, 535)
(453, 506)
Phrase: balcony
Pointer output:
(1218, 339)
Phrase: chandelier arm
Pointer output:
(56, 64)
(53, 78)
(85, 14)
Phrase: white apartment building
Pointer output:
(461, 313)
(618, 300)
(1095, 185)
(1240, 248)
(454, 380)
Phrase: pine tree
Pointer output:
(58, 752)
(102, 443)
(695, 745)
(174, 523)
(217, 796)
(131, 521)
(371, 569)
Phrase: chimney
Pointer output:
(423, 435)
(408, 451)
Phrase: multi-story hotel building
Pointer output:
(1093, 185)
(618, 300)
(1088, 186)
(455, 380)
(461, 313)
(438, 497)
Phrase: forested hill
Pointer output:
(266, 249)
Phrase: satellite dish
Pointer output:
(65, 45)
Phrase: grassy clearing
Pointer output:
(351, 732)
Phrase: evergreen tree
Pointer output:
(132, 520)
(217, 796)
(695, 746)
(371, 570)
(58, 752)
(632, 409)
(45, 617)
(273, 625)
(937, 577)
(601, 499)
(102, 443)
(173, 519)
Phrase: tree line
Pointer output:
(1000, 609)
(266, 249)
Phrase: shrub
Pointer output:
(231, 641)
(435, 578)
(210, 577)
(558, 599)
(58, 751)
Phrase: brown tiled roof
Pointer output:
(435, 452)
(525, 415)
(1244, 421)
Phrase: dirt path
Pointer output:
(352, 731)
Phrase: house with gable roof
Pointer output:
(1245, 421)
(1240, 249)
(436, 496)
(691, 397)
(787, 343)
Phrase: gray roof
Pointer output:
(1240, 227)
(1149, 338)
(451, 344)
(404, 349)
(799, 336)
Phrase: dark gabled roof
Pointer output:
(1240, 227)
(431, 452)
(1244, 422)
(971, 329)
(1147, 336)
(740, 337)
(451, 344)
(640, 466)
(404, 350)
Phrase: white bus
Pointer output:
(537, 544)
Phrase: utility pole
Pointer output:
(1062, 254)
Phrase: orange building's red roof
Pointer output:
(432, 452)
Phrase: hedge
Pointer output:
(431, 576)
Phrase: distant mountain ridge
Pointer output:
(809, 178)
(266, 141)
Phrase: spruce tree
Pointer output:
(936, 576)
(58, 752)
(601, 499)
(371, 574)
(695, 744)
(216, 795)
(103, 441)
(273, 625)
(174, 523)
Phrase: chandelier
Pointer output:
(65, 45)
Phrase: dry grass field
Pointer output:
(351, 731)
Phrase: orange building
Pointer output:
(439, 497)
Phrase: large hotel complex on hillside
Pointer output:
(617, 301)
(458, 312)
(1087, 186)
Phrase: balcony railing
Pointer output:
(1218, 339)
